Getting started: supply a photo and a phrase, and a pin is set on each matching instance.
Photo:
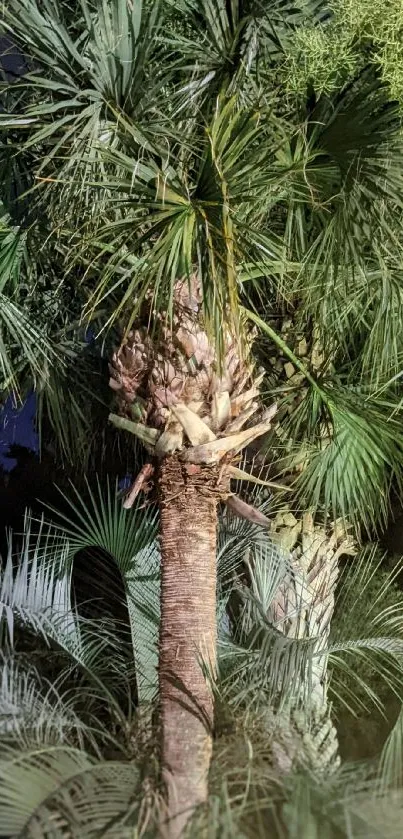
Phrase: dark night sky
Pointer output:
(12, 63)
(17, 426)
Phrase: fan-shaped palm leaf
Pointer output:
(36, 595)
(240, 41)
(190, 209)
(129, 538)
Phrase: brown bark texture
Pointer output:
(188, 497)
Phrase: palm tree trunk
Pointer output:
(188, 497)
(303, 608)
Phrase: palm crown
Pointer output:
(144, 156)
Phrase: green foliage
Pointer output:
(21, 340)
(129, 537)
(355, 34)
(321, 56)
(259, 145)
(74, 762)
(368, 597)
(68, 782)
(188, 157)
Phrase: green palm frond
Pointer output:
(38, 592)
(250, 802)
(353, 662)
(34, 710)
(358, 318)
(49, 789)
(228, 47)
(40, 772)
(354, 190)
(22, 341)
(359, 452)
(337, 212)
(391, 760)
(368, 605)
(12, 248)
(260, 664)
(73, 396)
(105, 797)
(129, 538)
(240, 42)
(187, 211)
(102, 800)
(381, 354)
(237, 537)
(39, 347)
(103, 60)
(22, 345)
(342, 441)
(342, 805)
(36, 596)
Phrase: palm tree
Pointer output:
(172, 185)
(192, 419)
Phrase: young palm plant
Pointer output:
(178, 194)
(79, 749)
